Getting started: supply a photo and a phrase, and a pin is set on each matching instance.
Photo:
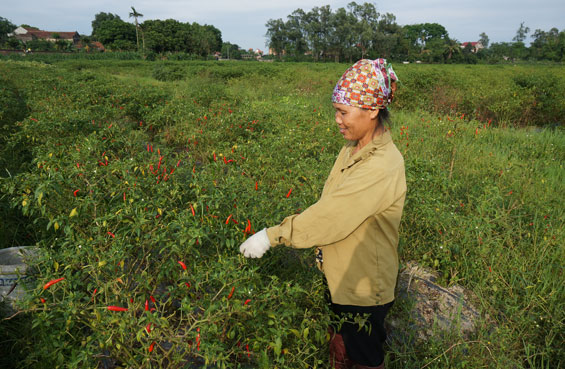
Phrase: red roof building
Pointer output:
(27, 34)
(475, 46)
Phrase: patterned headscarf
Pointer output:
(367, 85)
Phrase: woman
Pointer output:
(355, 223)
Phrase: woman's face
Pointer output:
(356, 124)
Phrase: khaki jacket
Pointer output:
(355, 223)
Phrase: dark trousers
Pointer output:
(363, 346)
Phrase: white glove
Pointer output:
(256, 245)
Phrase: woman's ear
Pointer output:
(374, 114)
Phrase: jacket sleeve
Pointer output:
(366, 191)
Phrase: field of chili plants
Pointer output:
(138, 180)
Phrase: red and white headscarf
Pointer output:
(367, 85)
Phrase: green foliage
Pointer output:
(508, 96)
(359, 31)
(164, 72)
(129, 175)
(5, 27)
(115, 34)
(99, 18)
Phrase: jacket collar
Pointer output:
(377, 144)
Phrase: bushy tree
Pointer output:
(548, 45)
(231, 51)
(116, 34)
(5, 27)
(99, 19)
(173, 36)
(484, 40)
(354, 32)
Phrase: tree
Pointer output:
(116, 34)
(136, 15)
(452, 50)
(294, 26)
(366, 16)
(388, 35)
(547, 45)
(5, 27)
(99, 18)
(276, 36)
(317, 28)
(484, 40)
(231, 51)
(521, 33)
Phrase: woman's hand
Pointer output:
(256, 246)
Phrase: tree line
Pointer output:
(321, 34)
(157, 36)
(359, 31)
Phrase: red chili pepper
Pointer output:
(228, 220)
(111, 234)
(192, 210)
(256, 186)
(183, 265)
(148, 328)
(215, 159)
(116, 308)
(153, 299)
(231, 292)
(288, 194)
(178, 163)
(151, 346)
(43, 300)
(187, 284)
(159, 151)
(198, 339)
(248, 228)
(146, 305)
(131, 300)
(75, 192)
(246, 302)
(247, 348)
(124, 196)
(52, 282)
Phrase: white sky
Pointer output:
(243, 22)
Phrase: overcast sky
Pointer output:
(243, 22)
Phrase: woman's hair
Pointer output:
(383, 117)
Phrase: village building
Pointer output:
(475, 46)
(25, 34)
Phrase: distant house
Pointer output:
(475, 46)
(27, 34)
